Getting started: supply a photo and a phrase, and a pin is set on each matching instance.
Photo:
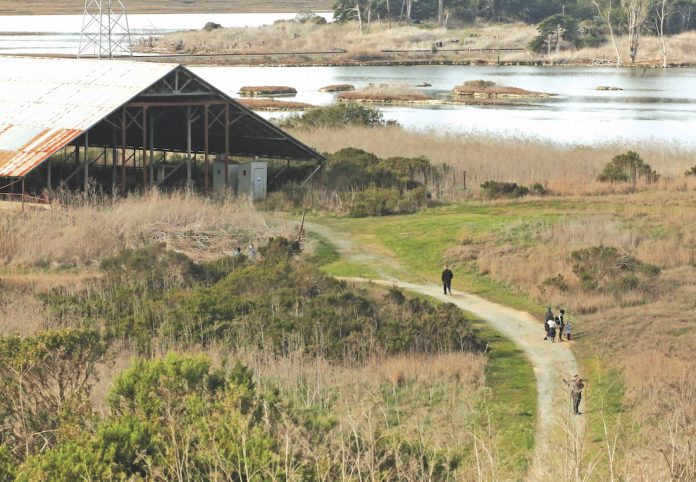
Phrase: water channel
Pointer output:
(653, 104)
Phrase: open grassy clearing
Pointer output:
(634, 345)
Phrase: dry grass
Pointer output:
(567, 169)
(383, 93)
(262, 90)
(680, 50)
(337, 88)
(86, 232)
(648, 334)
(480, 88)
(295, 37)
(371, 45)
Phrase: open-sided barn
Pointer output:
(125, 125)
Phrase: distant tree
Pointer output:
(636, 12)
(606, 12)
(552, 30)
(662, 10)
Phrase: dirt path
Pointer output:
(555, 423)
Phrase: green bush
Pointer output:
(628, 167)
(41, 377)
(382, 202)
(606, 268)
(337, 115)
(690, 172)
(499, 189)
(558, 282)
(274, 304)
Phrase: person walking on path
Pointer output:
(552, 330)
(575, 386)
(548, 316)
(568, 329)
(447, 276)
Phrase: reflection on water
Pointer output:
(654, 104)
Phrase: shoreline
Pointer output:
(234, 60)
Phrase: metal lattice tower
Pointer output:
(105, 33)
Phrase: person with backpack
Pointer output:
(548, 316)
(575, 387)
(447, 276)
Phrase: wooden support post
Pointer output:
(114, 155)
(49, 164)
(22, 194)
(206, 158)
(123, 150)
(85, 161)
(189, 184)
(145, 163)
(227, 147)
(152, 148)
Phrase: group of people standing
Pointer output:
(556, 325)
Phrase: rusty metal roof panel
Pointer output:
(46, 103)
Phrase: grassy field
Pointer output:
(633, 343)
(75, 7)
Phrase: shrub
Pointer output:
(628, 167)
(538, 189)
(338, 115)
(606, 268)
(558, 282)
(210, 26)
(40, 377)
(276, 304)
(690, 172)
(377, 201)
(498, 189)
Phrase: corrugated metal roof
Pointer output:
(46, 103)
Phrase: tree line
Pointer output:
(579, 22)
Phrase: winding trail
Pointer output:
(550, 362)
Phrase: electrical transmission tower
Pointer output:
(105, 32)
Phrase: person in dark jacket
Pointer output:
(548, 316)
(447, 276)
(560, 324)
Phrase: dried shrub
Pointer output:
(606, 268)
